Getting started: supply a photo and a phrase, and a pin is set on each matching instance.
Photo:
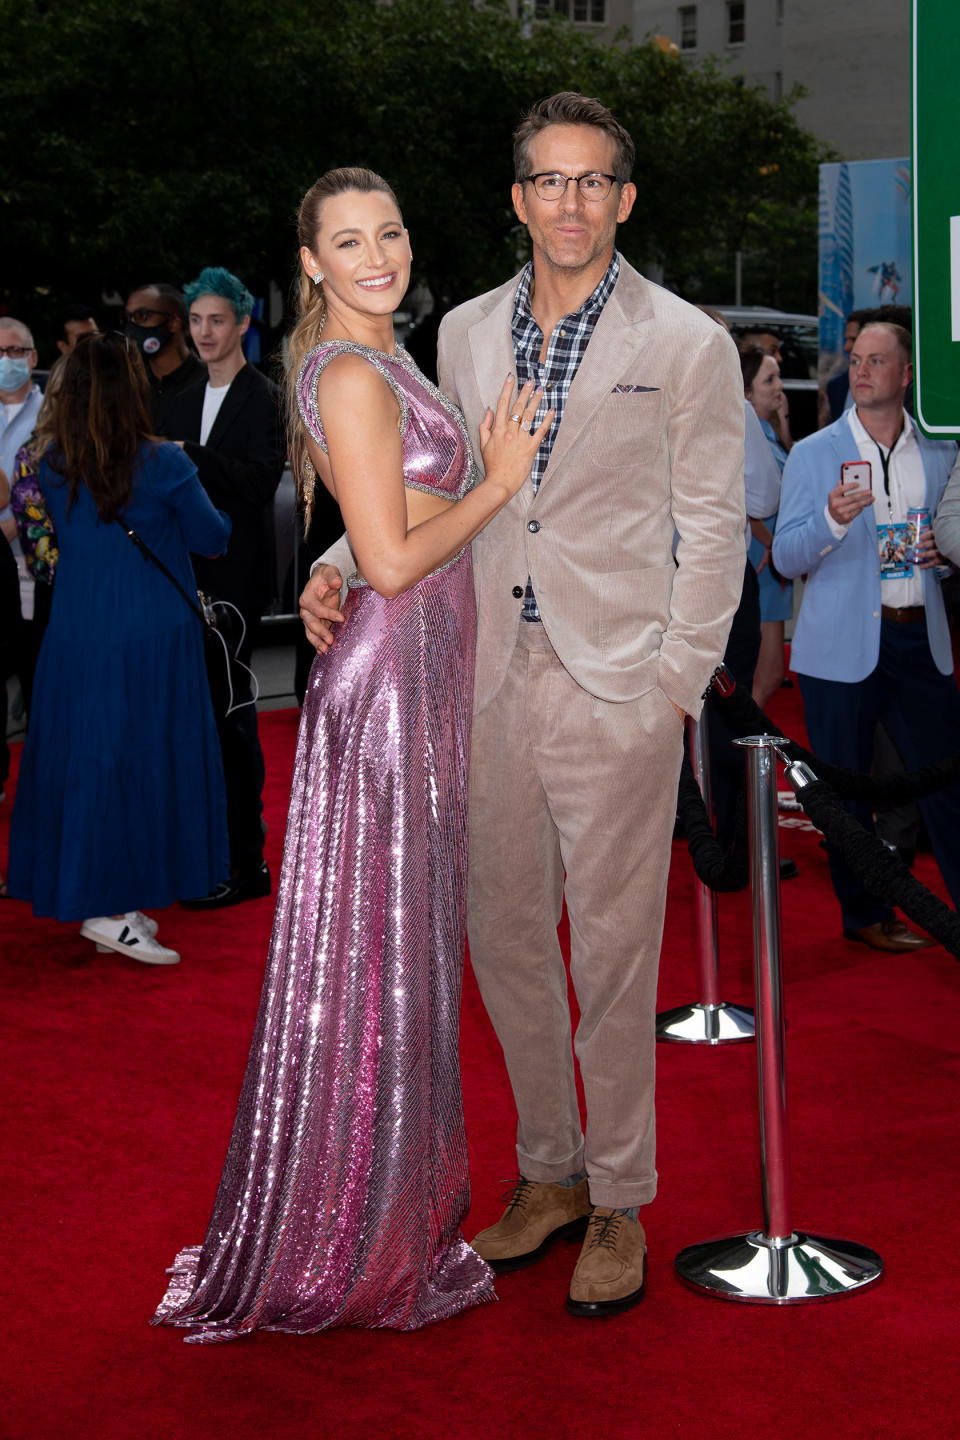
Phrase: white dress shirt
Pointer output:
(908, 491)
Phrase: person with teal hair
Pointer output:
(215, 280)
(229, 424)
(219, 308)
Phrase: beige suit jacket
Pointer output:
(651, 442)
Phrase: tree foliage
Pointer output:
(147, 140)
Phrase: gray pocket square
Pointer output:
(633, 389)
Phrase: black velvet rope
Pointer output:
(716, 868)
(880, 869)
(744, 717)
(877, 867)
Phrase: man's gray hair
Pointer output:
(7, 322)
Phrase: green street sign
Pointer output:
(936, 215)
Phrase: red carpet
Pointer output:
(121, 1082)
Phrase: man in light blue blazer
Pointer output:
(872, 640)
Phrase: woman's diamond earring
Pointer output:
(318, 276)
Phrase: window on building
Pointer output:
(736, 22)
(780, 4)
(592, 12)
(687, 15)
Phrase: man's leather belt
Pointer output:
(903, 614)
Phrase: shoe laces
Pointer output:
(518, 1194)
(604, 1230)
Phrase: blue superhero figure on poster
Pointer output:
(887, 282)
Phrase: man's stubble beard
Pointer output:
(554, 260)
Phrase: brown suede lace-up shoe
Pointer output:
(537, 1214)
(612, 1264)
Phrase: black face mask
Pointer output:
(150, 338)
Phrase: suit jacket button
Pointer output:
(533, 526)
(517, 592)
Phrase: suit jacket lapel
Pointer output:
(192, 411)
(845, 448)
(844, 444)
(622, 334)
(491, 350)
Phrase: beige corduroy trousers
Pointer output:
(576, 795)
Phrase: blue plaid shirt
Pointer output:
(556, 374)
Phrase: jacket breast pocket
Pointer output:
(627, 429)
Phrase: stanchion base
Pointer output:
(706, 1024)
(754, 1268)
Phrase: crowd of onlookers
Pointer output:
(869, 518)
(184, 378)
(175, 371)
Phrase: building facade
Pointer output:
(853, 61)
(603, 18)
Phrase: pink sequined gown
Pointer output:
(346, 1181)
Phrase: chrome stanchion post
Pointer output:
(705, 899)
(775, 1265)
(709, 1021)
(768, 981)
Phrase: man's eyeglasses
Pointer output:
(142, 316)
(15, 352)
(551, 185)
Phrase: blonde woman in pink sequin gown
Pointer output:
(346, 1183)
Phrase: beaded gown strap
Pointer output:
(312, 368)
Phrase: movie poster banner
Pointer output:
(865, 247)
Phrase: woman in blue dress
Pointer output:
(764, 391)
(120, 802)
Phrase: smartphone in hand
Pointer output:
(857, 472)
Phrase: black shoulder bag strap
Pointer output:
(148, 555)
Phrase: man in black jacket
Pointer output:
(155, 319)
(230, 426)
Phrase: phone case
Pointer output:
(857, 472)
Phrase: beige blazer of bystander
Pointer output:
(651, 442)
